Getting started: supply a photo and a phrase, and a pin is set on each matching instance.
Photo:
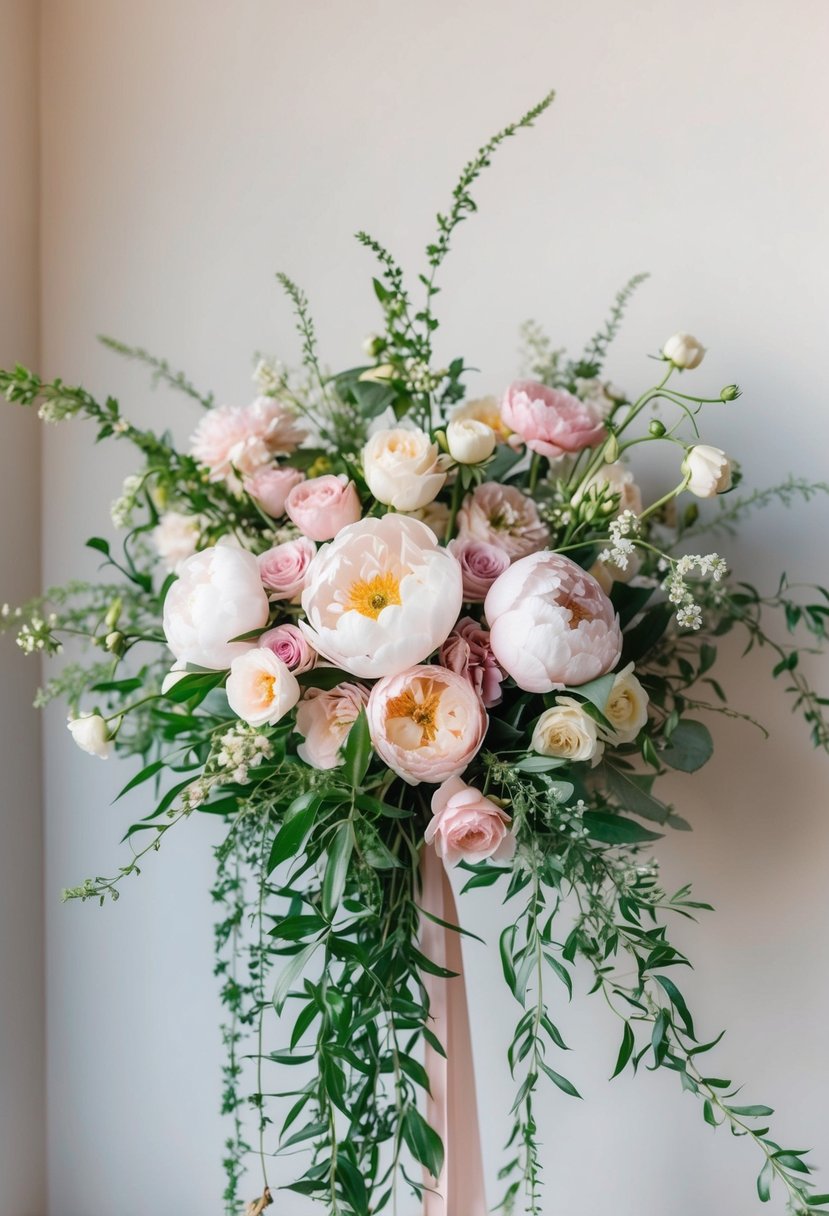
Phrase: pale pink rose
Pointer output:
(502, 516)
(260, 688)
(325, 717)
(270, 487)
(284, 568)
(218, 596)
(426, 723)
(466, 826)
(551, 624)
(481, 563)
(233, 439)
(290, 645)
(468, 653)
(323, 506)
(549, 420)
(381, 597)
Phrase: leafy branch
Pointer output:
(162, 371)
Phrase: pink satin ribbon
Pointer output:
(452, 1108)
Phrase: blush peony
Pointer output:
(218, 596)
(549, 420)
(381, 597)
(235, 439)
(466, 826)
(426, 723)
(504, 517)
(325, 718)
(551, 624)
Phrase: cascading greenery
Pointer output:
(317, 890)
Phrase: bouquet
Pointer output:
(384, 629)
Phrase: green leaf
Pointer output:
(634, 797)
(751, 1112)
(616, 829)
(422, 1141)
(322, 677)
(538, 764)
(764, 1181)
(596, 691)
(143, 775)
(99, 544)
(690, 746)
(357, 751)
(708, 1113)
(678, 1001)
(625, 1051)
(448, 925)
(336, 870)
(195, 685)
(290, 974)
(354, 1188)
(298, 821)
(564, 1085)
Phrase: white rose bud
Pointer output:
(469, 440)
(260, 688)
(567, 732)
(684, 351)
(627, 706)
(708, 471)
(91, 734)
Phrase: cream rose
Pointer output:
(483, 409)
(91, 734)
(260, 688)
(567, 732)
(684, 351)
(627, 707)
(402, 469)
(470, 441)
(708, 470)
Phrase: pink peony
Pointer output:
(235, 439)
(283, 569)
(468, 653)
(549, 420)
(217, 597)
(480, 563)
(270, 486)
(426, 723)
(502, 516)
(551, 624)
(323, 506)
(325, 718)
(291, 646)
(466, 826)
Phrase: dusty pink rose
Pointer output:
(283, 568)
(325, 717)
(549, 420)
(291, 646)
(323, 506)
(270, 487)
(480, 563)
(504, 517)
(233, 439)
(551, 624)
(426, 723)
(466, 826)
(467, 651)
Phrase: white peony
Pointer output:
(684, 351)
(218, 596)
(470, 441)
(567, 732)
(627, 706)
(91, 734)
(260, 688)
(402, 468)
(708, 470)
(381, 596)
(176, 537)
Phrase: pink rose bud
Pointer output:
(468, 653)
(291, 646)
(323, 506)
(271, 486)
(283, 569)
(325, 719)
(549, 420)
(481, 563)
(466, 826)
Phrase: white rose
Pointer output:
(684, 351)
(401, 468)
(627, 706)
(567, 732)
(260, 688)
(91, 734)
(615, 478)
(469, 440)
(482, 409)
(218, 596)
(175, 538)
(708, 470)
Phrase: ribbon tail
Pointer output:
(452, 1108)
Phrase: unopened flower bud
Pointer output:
(611, 449)
(113, 613)
(730, 393)
(373, 345)
(116, 643)
(684, 351)
(656, 428)
(470, 441)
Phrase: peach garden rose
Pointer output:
(466, 826)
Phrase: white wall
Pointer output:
(190, 150)
(22, 1037)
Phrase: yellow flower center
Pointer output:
(265, 685)
(577, 614)
(422, 713)
(371, 596)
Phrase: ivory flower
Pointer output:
(260, 688)
(627, 707)
(549, 420)
(482, 409)
(469, 440)
(567, 732)
(175, 537)
(502, 516)
(684, 351)
(466, 826)
(401, 467)
(426, 723)
(323, 506)
(91, 734)
(284, 568)
(325, 718)
(218, 596)
(708, 470)
(551, 624)
(381, 597)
